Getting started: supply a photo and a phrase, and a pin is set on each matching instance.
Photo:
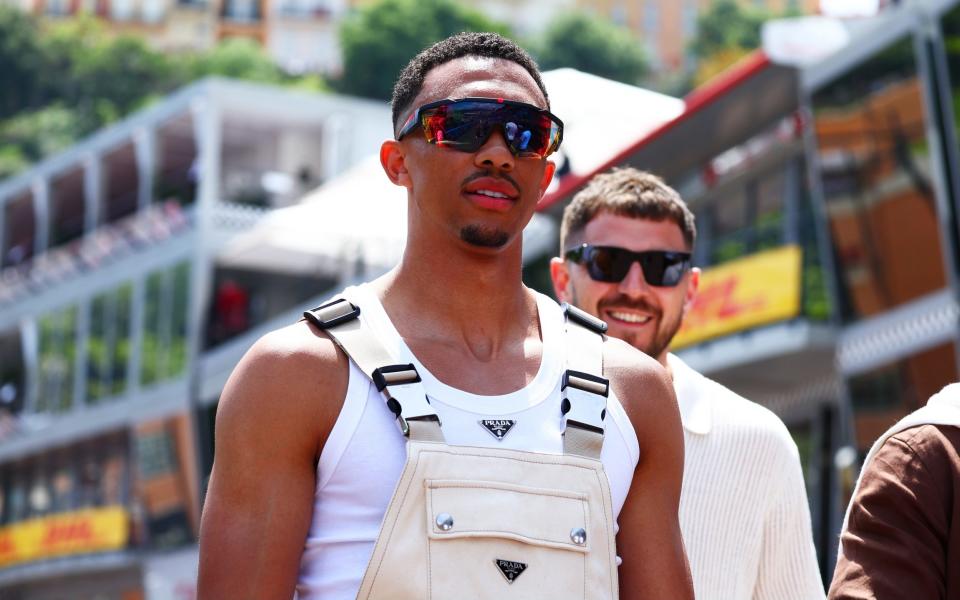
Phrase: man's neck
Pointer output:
(465, 294)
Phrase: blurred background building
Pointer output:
(138, 265)
(826, 201)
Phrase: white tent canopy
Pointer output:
(360, 217)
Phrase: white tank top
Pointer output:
(364, 455)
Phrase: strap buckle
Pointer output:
(584, 319)
(332, 313)
(400, 385)
(584, 400)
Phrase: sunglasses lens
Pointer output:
(610, 264)
(529, 133)
(606, 264)
(467, 125)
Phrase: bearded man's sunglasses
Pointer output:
(466, 125)
(611, 264)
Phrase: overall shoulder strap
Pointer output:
(584, 390)
(400, 384)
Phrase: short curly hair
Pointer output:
(484, 44)
(626, 192)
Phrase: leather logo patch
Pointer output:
(498, 428)
(511, 569)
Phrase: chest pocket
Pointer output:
(494, 540)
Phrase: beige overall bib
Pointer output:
(488, 523)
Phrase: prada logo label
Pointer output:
(498, 428)
(510, 569)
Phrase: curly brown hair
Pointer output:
(483, 44)
(626, 192)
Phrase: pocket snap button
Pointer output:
(445, 521)
(578, 535)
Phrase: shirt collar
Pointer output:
(696, 410)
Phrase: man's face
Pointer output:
(483, 198)
(645, 316)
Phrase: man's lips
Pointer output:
(492, 187)
(627, 317)
(491, 193)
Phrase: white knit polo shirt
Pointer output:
(743, 506)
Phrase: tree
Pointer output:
(380, 39)
(237, 58)
(725, 34)
(62, 82)
(31, 135)
(21, 62)
(587, 43)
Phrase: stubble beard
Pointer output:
(661, 338)
(484, 237)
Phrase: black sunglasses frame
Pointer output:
(416, 120)
(622, 260)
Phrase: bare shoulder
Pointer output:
(292, 382)
(641, 384)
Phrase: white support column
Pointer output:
(30, 345)
(208, 128)
(41, 211)
(145, 145)
(92, 192)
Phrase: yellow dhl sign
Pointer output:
(78, 532)
(759, 289)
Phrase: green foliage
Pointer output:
(64, 81)
(380, 39)
(238, 58)
(588, 43)
(31, 135)
(21, 62)
(726, 25)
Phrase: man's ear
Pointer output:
(393, 160)
(560, 275)
(693, 284)
(548, 172)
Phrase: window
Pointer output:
(108, 346)
(876, 178)
(19, 233)
(67, 207)
(57, 353)
(165, 324)
(13, 381)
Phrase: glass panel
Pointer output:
(67, 208)
(12, 375)
(176, 161)
(122, 182)
(882, 396)
(730, 233)
(876, 174)
(815, 299)
(57, 353)
(165, 324)
(109, 344)
(951, 37)
(19, 234)
(768, 223)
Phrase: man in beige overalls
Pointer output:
(443, 431)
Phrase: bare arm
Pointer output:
(274, 416)
(649, 541)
